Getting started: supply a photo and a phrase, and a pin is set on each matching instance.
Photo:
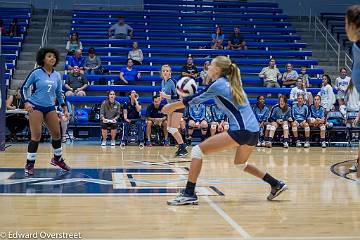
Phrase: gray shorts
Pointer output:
(271, 84)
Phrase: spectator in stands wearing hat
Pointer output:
(236, 40)
(73, 44)
(77, 60)
(121, 30)
(76, 83)
(289, 77)
(136, 54)
(128, 74)
(217, 39)
(92, 63)
(189, 70)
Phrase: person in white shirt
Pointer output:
(327, 94)
(300, 89)
(341, 85)
(136, 54)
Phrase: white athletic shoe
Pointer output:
(286, 145)
(103, 143)
(112, 143)
(298, 143)
(306, 144)
(323, 144)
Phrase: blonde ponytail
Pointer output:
(232, 72)
(236, 85)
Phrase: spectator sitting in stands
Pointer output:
(327, 94)
(121, 30)
(270, 75)
(217, 39)
(205, 80)
(262, 114)
(341, 85)
(92, 63)
(154, 116)
(236, 40)
(300, 89)
(189, 70)
(317, 118)
(197, 120)
(136, 54)
(73, 44)
(110, 112)
(219, 121)
(77, 60)
(300, 114)
(132, 114)
(290, 76)
(76, 83)
(3, 28)
(304, 76)
(128, 74)
(15, 122)
(13, 29)
(280, 115)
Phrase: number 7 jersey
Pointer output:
(45, 88)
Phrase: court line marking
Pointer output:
(227, 218)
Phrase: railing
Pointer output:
(347, 61)
(329, 39)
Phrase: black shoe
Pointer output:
(29, 169)
(184, 199)
(275, 191)
(181, 152)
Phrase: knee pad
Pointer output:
(242, 166)
(268, 127)
(172, 130)
(294, 129)
(226, 126)
(56, 144)
(307, 129)
(322, 127)
(286, 127)
(213, 126)
(272, 128)
(196, 152)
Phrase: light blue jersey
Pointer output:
(241, 117)
(261, 115)
(317, 112)
(277, 113)
(300, 113)
(169, 88)
(217, 113)
(197, 112)
(356, 65)
(45, 88)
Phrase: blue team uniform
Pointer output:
(261, 115)
(217, 113)
(197, 112)
(45, 89)
(317, 112)
(277, 113)
(243, 125)
(169, 88)
(300, 113)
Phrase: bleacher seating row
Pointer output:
(11, 46)
(336, 24)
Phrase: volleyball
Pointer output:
(186, 86)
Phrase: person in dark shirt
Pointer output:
(236, 40)
(154, 116)
(132, 114)
(128, 74)
(76, 83)
(189, 70)
(15, 122)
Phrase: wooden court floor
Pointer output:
(121, 194)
